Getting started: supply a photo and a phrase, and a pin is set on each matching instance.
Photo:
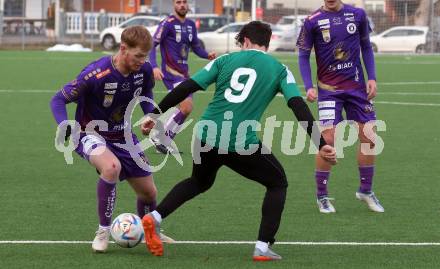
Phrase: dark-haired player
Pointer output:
(246, 82)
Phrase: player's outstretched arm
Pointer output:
(303, 114)
(177, 95)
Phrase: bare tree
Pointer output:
(422, 13)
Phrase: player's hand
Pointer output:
(371, 89)
(328, 153)
(311, 95)
(147, 125)
(157, 73)
(212, 55)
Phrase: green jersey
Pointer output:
(246, 82)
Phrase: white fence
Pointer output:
(92, 21)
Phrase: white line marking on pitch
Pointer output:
(405, 103)
(250, 243)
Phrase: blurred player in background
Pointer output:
(176, 35)
(246, 82)
(339, 33)
(102, 92)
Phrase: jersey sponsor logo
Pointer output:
(348, 14)
(350, 19)
(108, 100)
(111, 86)
(138, 82)
(327, 104)
(140, 75)
(340, 66)
(356, 78)
(110, 92)
(337, 20)
(327, 26)
(326, 35)
(177, 27)
(327, 114)
(125, 87)
(103, 73)
(322, 22)
(184, 52)
(339, 53)
(351, 28)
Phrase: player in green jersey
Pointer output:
(246, 82)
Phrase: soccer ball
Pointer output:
(127, 230)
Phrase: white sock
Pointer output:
(263, 246)
(104, 227)
(157, 216)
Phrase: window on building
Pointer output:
(14, 8)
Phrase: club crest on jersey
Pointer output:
(108, 100)
(351, 28)
(326, 35)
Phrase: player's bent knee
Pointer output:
(111, 171)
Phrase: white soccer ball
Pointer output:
(127, 230)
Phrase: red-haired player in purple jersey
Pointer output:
(102, 92)
(175, 35)
(339, 33)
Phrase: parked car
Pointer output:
(401, 39)
(223, 39)
(208, 22)
(111, 36)
(291, 22)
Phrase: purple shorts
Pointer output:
(129, 167)
(172, 82)
(355, 103)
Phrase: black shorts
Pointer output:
(262, 168)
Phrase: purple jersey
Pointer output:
(103, 93)
(175, 39)
(336, 38)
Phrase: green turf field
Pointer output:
(43, 199)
